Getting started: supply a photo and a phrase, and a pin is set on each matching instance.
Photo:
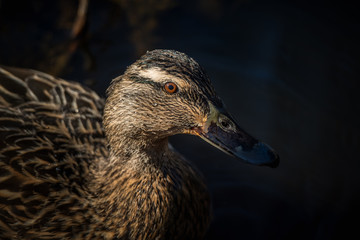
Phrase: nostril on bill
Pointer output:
(225, 123)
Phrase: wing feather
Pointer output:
(50, 133)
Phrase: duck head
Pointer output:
(165, 93)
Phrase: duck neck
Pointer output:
(146, 191)
(138, 151)
(126, 186)
(130, 136)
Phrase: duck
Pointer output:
(76, 166)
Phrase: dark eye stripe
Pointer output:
(172, 86)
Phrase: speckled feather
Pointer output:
(50, 132)
(61, 178)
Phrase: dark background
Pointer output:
(287, 70)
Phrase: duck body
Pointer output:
(56, 181)
(75, 166)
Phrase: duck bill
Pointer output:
(223, 132)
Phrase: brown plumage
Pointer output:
(61, 178)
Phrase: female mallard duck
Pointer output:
(69, 172)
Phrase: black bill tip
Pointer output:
(259, 154)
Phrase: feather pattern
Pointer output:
(50, 130)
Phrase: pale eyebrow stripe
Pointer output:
(157, 75)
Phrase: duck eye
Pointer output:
(170, 87)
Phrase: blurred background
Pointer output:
(287, 70)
